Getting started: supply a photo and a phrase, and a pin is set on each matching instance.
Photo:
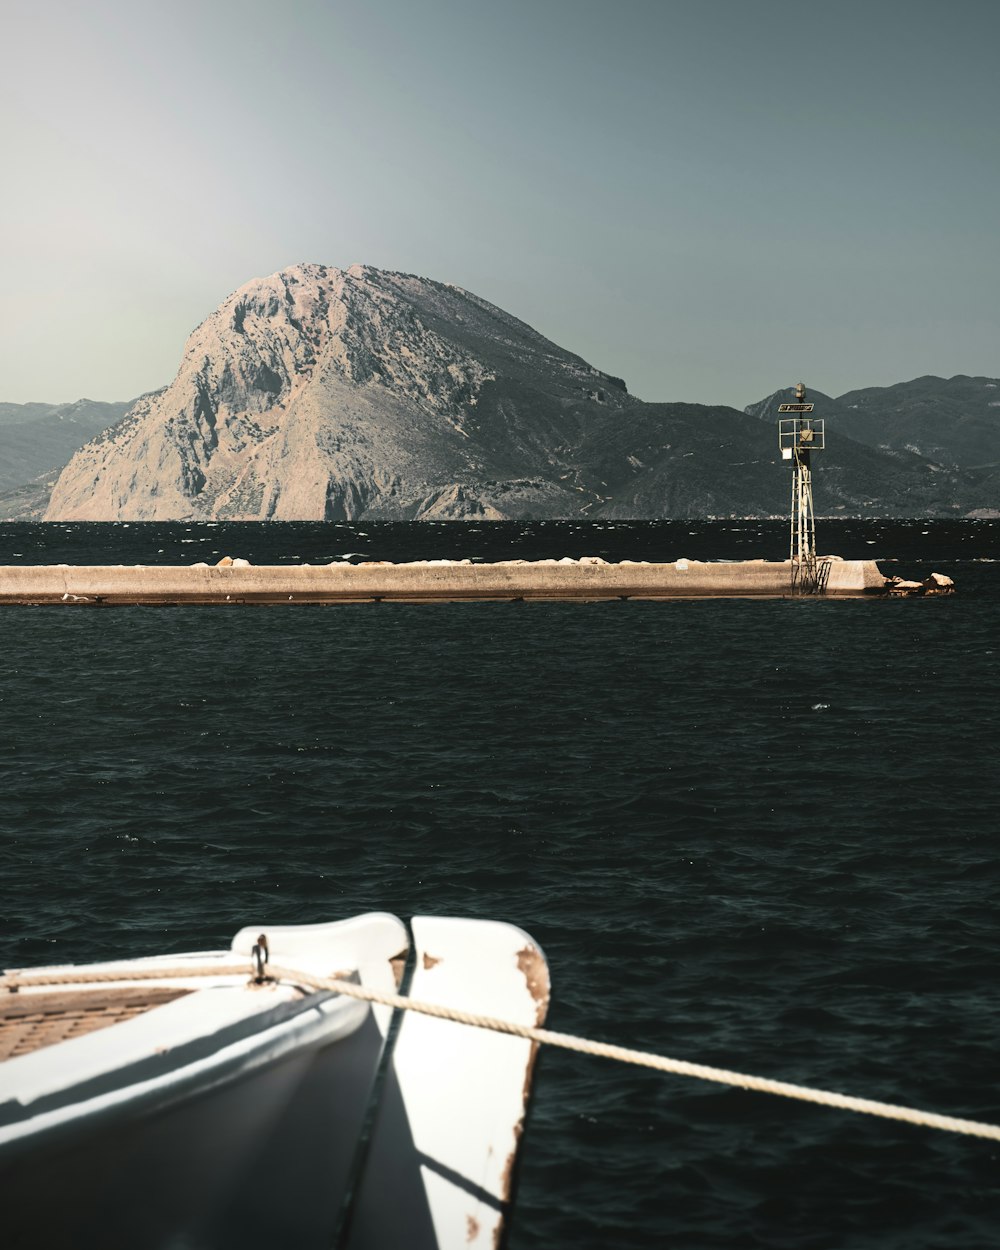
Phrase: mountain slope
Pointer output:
(714, 461)
(326, 393)
(36, 437)
(319, 393)
(950, 421)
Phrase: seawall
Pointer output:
(419, 582)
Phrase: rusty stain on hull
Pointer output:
(536, 976)
(483, 968)
(398, 965)
(531, 963)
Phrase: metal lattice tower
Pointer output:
(798, 437)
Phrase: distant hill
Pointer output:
(320, 393)
(35, 438)
(28, 501)
(951, 424)
(952, 421)
(20, 414)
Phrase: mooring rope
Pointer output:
(532, 1033)
(14, 981)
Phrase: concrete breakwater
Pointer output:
(590, 578)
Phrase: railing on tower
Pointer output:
(798, 437)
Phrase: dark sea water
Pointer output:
(755, 834)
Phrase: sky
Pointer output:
(708, 198)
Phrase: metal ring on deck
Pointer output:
(259, 955)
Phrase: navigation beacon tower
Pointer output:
(798, 437)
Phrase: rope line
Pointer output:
(13, 981)
(531, 1033)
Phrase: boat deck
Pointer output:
(30, 1021)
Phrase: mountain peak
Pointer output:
(324, 393)
(301, 384)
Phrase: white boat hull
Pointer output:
(259, 1130)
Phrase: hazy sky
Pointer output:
(709, 198)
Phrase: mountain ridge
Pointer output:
(318, 393)
(952, 421)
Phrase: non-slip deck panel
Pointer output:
(30, 1021)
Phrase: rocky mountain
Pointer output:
(36, 438)
(324, 393)
(319, 392)
(949, 420)
(29, 500)
(946, 425)
(952, 421)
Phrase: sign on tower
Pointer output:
(798, 437)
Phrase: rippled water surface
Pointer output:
(755, 834)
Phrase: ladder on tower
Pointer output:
(799, 435)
